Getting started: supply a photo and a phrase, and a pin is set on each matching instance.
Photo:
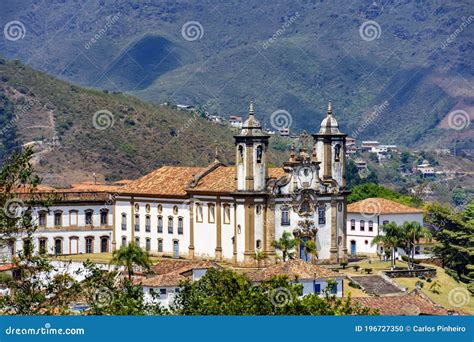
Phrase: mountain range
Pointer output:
(411, 58)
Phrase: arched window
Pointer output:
(147, 223)
(160, 208)
(160, 245)
(362, 225)
(124, 240)
(180, 225)
(88, 216)
(148, 244)
(259, 154)
(137, 222)
(73, 214)
(226, 213)
(285, 216)
(198, 212)
(147, 208)
(89, 244)
(58, 246)
(137, 241)
(43, 247)
(160, 224)
(104, 214)
(170, 225)
(212, 213)
(353, 224)
(241, 154)
(124, 221)
(321, 215)
(42, 218)
(258, 209)
(371, 226)
(175, 210)
(337, 152)
(58, 218)
(258, 244)
(104, 244)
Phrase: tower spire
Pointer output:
(329, 108)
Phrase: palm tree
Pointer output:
(309, 248)
(412, 233)
(391, 239)
(129, 256)
(259, 256)
(285, 244)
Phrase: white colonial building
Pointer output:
(217, 212)
(366, 218)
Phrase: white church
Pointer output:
(218, 212)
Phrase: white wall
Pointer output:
(364, 238)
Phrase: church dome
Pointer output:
(329, 124)
(251, 125)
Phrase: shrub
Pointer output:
(354, 284)
(419, 284)
(344, 265)
(356, 268)
(368, 270)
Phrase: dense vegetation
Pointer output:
(137, 137)
(315, 56)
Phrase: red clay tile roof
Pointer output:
(179, 266)
(294, 269)
(170, 272)
(376, 206)
(172, 279)
(222, 179)
(174, 180)
(165, 181)
(413, 303)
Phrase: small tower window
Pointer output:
(285, 216)
(258, 244)
(337, 152)
(259, 154)
(241, 154)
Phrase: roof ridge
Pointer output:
(212, 167)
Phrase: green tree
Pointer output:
(259, 256)
(412, 233)
(369, 190)
(129, 256)
(309, 249)
(454, 239)
(391, 239)
(285, 245)
(224, 292)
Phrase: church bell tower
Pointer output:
(251, 147)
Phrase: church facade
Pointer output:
(218, 212)
(229, 213)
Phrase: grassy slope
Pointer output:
(142, 138)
